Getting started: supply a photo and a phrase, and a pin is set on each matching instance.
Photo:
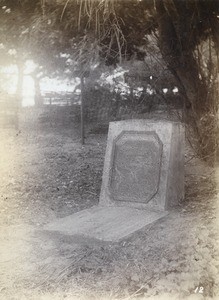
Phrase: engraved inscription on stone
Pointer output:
(136, 165)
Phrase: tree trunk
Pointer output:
(180, 59)
(38, 97)
(19, 90)
(82, 110)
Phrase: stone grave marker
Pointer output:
(143, 178)
(144, 164)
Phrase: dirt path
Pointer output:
(46, 174)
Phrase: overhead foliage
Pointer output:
(103, 28)
(109, 31)
(187, 35)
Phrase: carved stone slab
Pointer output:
(136, 162)
(144, 164)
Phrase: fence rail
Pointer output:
(66, 99)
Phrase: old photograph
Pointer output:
(109, 149)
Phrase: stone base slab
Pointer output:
(105, 223)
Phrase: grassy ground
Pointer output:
(47, 174)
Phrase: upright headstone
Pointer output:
(143, 177)
(144, 164)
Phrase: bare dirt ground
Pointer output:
(47, 174)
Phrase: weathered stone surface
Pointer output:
(144, 164)
(105, 223)
(136, 162)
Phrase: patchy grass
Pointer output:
(46, 174)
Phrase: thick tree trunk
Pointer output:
(180, 59)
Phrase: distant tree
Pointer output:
(110, 31)
(187, 35)
(15, 21)
(20, 23)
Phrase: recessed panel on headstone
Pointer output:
(144, 164)
(136, 163)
